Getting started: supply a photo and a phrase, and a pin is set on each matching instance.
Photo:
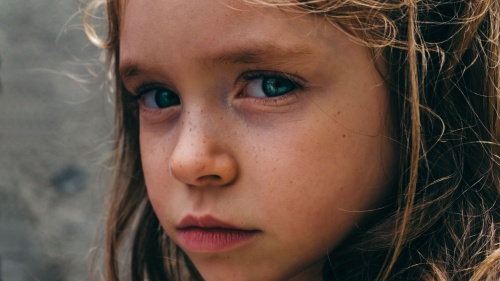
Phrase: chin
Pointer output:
(224, 270)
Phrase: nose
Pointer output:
(202, 156)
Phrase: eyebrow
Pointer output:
(259, 53)
(128, 70)
(249, 54)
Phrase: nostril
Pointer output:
(211, 178)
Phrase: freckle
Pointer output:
(343, 135)
(338, 113)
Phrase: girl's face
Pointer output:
(264, 134)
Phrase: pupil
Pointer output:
(165, 98)
(274, 87)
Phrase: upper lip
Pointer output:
(206, 221)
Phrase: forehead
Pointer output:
(186, 15)
(197, 29)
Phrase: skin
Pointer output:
(303, 168)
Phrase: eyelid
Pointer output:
(139, 91)
(250, 75)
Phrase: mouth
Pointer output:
(208, 234)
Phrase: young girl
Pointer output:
(304, 140)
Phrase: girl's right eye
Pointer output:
(160, 98)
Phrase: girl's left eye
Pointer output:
(269, 87)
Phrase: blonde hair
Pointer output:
(441, 62)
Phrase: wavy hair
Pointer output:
(441, 63)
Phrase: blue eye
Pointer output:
(269, 87)
(161, 98)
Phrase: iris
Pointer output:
(276, 86)
(165, 98)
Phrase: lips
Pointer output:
(208, 234)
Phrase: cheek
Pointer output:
(314, 156)
(322, 176)
(156, 146)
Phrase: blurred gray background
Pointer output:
(55, 127)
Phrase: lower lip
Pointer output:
(212, 239)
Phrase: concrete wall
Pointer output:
(54, 139)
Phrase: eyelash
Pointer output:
(243, 80)
(252, 75)
(138, 92)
